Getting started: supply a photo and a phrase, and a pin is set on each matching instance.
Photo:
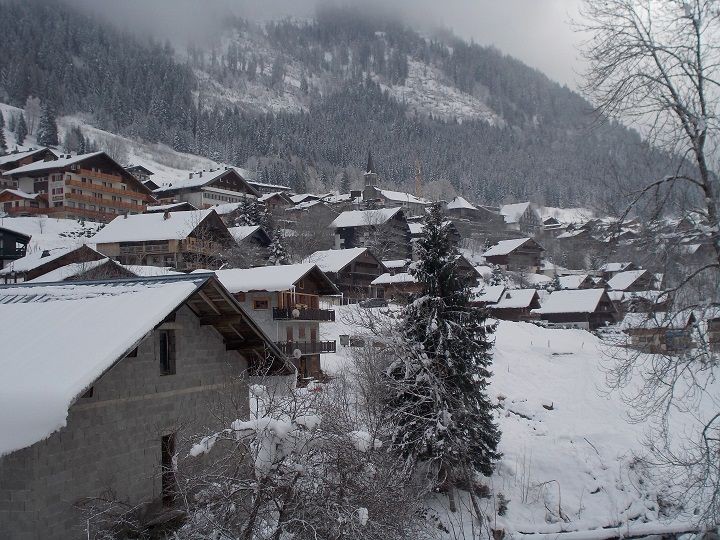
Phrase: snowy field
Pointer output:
(568, 462)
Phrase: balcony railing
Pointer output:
(306, 347)
(303, 314)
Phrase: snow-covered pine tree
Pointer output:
(22, 130)
(438, 385)
(555, 283)
(3, 144)
(278, 253)
(47, 131)
(497, 277)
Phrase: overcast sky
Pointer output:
(535, 31)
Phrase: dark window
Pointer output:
(261, 303)
(167, 445)
(167, 352)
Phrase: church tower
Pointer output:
(371, 191)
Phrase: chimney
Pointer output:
(45, 253)
(166, 215)
(200, 173)
(190, 176)
(125, 216)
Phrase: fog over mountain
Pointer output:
(538, 32)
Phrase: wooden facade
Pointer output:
(205, 189)
(13, 246)
(388, 239)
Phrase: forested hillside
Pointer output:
(310, 97)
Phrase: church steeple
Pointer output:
(370, 167)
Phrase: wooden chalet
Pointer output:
(659, 332)
(13, 246)
(183, 241)
(577, 281)
(204, 189)
(101, 269)
(352, 270)
(633, 280)
(141, 173)
(87, 186)
(13, 160)
(523, 217)
(385, 231)
(41, 262)
(515, 305)
(518, 254)
(588, 308)
(170, 207)
(18, 203)
(285, 301)
(608, 270)
(398, 287)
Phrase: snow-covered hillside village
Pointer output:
(339, 277)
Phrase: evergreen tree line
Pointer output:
(546, 150)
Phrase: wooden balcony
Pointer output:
(306, 347)
(303, 314)
(108, 203)
(106, 189)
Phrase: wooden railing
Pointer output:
(105, 202)
(303, 314)
(106, 189)
(306, 347)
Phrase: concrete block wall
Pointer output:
(112, 440)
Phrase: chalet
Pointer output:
(576, 281)
(395, 266)
(101, 269)
(18, 203)
(385, 231)
(587, 308)
(180, 240)
(276, 202)
(416, 229)
(608, 270)
(659, 332)
(523, 217)
(518, 254)
(460, 208)
(515, 305)
(285, 302)
(300, 198)
(13, 246)
(320, 213)
(88, 186)
(204, 189)
(14, 160)
(398, 287)
(170, 207)
(642, 301)
(633, 280)
(251, 235)
(352, 270)
(141, 173)
(41, 262)
(113, 392)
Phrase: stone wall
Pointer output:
(112, 440)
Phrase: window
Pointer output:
(301, 332)
(167, 453)
(167, 352)
(133, 353)
(261, 303)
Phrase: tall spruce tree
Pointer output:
(47, 131)
(21, 130)
(3, 144)
(278, 253)
(438, 387)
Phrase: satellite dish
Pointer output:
(295, 313)
(297, 353)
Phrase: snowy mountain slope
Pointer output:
(568, 450)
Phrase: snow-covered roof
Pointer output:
(658, 319)
(460, 203)
(167, 207)
(69, 271)
(86, 328)
(150, 271)
(416, 227)
(35, 259)
(264, 197)
(9, 158)
(623, 280)
(201, 179)
(615, 266)
(364, 218)
(515, 299)
(488, 294)
(503, 247)
(302, 197)
(334, 260)
(253, 183)
(21, 194)
(55, 164)
(572, 281)
(572, 301)
(387, 279)
(271, 278)
(243, 231)
(513, 212)
(155, 226)
(396, 263)
(401, 196)
(304, 205)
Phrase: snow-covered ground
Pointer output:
(568, 450)
(48, 232)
